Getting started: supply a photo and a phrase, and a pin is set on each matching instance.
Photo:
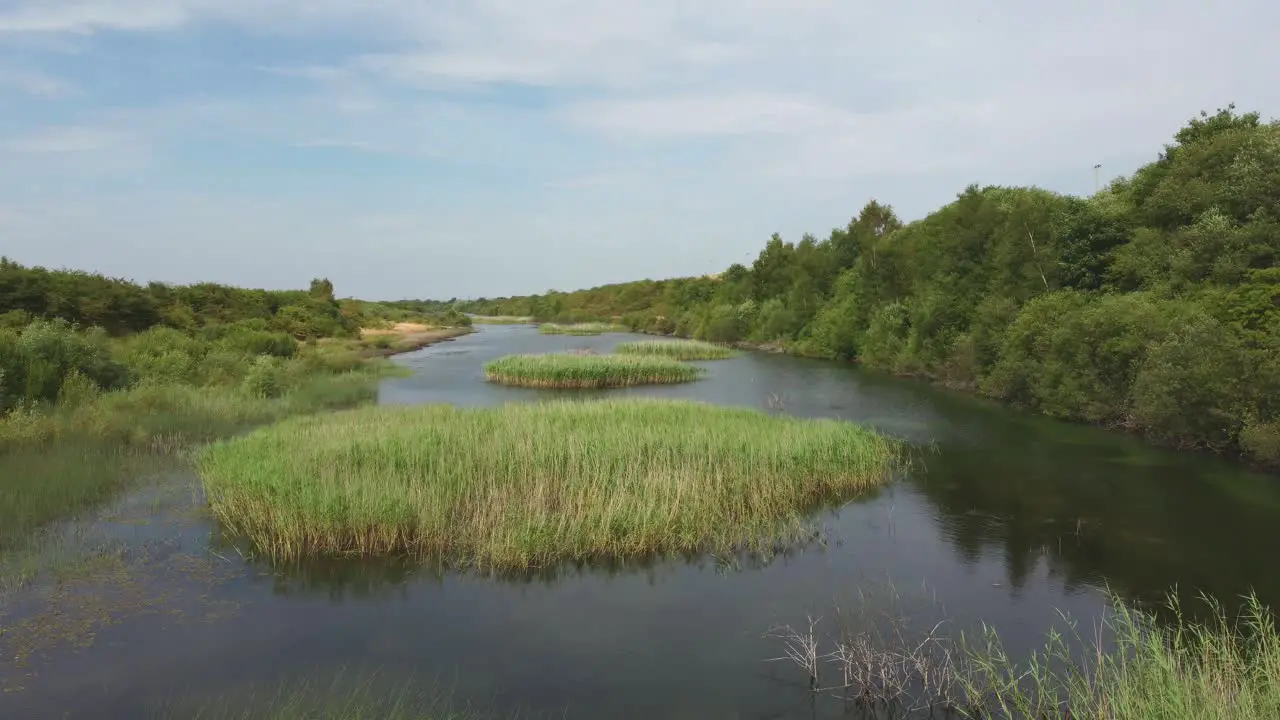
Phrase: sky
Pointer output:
(469, 148)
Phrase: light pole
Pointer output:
(1097, 178)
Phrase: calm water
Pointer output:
(1010, 520)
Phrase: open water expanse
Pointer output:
(1007, 518)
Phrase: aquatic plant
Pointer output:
(1133, 666)
(528, 485)
(592, 328)
(355, 694)
(501, 320)
(677, 349)
(575, 370)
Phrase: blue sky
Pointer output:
(433, 148)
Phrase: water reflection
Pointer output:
(363, 579)
(1095, 508)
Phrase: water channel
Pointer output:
(1007, 518)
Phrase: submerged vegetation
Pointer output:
(1132, 667)
(349, 695)
(583, 371)
(677, 349)
(591, 328)
(530, 485)
(1153, 305)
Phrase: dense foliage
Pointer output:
(64, 332)
(1153, 305)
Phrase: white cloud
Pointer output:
(731, 103)
(57, 140)
(33, 83)
(731, 114)
(86, 17)
(336, 144)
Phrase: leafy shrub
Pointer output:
(261, 342)
(37, 361)
(265, 378)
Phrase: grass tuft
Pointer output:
(576, 370)
(1130, 666)
(677, 349)
(1219, 670)
(530, 485)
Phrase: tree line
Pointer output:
(121, 307)
(65, 332)
(1153, 305)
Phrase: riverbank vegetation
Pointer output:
(1132, 666)
(584, 371)
(96, 374)
(530, 485)
(677, 349)
(1152, 306)
(590, 328)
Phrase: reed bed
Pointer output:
(526, 486)
(501, 319)
(575, 371)
(593, 328)
(677, 349)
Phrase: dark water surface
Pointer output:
(1012, 519)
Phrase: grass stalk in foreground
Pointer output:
(1134, 667)
(566, 370)
(530, 485)
(592, 328)
(677, 349)
(1218, 670)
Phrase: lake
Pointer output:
(1005, 517)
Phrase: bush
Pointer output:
(1261, 441)
(260, 342)
(886, 337)
(1189, 387)
(265, 378)
(36, 362)
(77, 390)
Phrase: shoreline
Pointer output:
(970, 391)
(410, 342)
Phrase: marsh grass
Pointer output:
(82, 476)
(677, 349)
(532, 485)
(592, 328)
(60, 461)
(1138, 668)
(574, 370)
(501, 320)
(1132, 666)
